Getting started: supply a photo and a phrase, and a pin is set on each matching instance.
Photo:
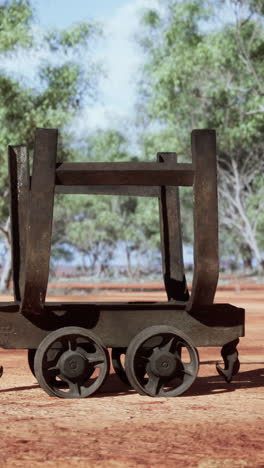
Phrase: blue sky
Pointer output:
(62, 13)
(119, 54)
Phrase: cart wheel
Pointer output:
(71, 362)
(118, 364)
(31, 357)
(169, 359)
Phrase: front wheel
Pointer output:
(161, 361)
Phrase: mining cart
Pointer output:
(68, 342)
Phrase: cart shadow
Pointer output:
(213, 385)
(112, 387)
(202, 386)
(209, 385)
(19, 389)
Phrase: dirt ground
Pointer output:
(213, 425)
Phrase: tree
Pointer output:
(61, 84)
(242, 195)
(97, 225)
(203, 74)
(100, 225)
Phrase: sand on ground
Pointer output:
(213, 425)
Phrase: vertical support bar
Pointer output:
(205, 212)
(171, 238)
(40, 221)
(19, 184)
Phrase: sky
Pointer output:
(62, 13)
(120, 55)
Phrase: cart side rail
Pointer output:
(19, 186)
(161, 178)
(40, 216)
(171, 237)
(205, 216)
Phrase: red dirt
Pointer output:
(214, 425)
(151, 286)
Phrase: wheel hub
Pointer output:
(72, 364)
(163, 365)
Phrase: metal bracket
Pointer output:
(230, 356)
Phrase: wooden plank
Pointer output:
(171, 238)
(124, 173)
(40, 222)
(128, 190)
(206, 263)
(19, 199)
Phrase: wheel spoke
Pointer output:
(51, 361)
(154, 384)
(188, 369)
(71, 343)
(53, 370)
(75, 389)
(96, 359)
(49, 364)
(167, 347)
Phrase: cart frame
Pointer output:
(26, 321)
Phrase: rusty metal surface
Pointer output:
(19, 199)
(127, 190)
(117, 323)
(206, 324)
(205, 213)
(124, 173)
(40, 222)
(171, 238)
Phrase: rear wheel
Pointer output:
(71, 362)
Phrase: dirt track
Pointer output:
(213, 425)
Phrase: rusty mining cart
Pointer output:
(68, 342)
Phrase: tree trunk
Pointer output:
(247, 258)
(128, 257)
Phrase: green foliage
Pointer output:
(150, 18)
(255, 6)
(97, 224)
(196, 77)
(15, 20)
(61, 86)
(78, 36)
